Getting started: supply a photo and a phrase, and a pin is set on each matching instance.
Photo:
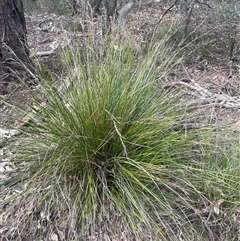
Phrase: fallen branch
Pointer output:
(45, 53)
(207, 97)
(124, 11)
(167, 10)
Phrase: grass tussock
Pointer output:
(111, 155)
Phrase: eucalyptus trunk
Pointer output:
(13, 49)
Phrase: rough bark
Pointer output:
(73, 4)
(109, 5)
(13, 49)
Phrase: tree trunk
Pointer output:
(13, 49)
(109, 5)
(73, 4)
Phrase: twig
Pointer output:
(45, 53)
(119, 134)
(168, 9)
(204, 3)
(207, 97)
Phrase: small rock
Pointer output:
(54, 237)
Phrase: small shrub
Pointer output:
(110, 156)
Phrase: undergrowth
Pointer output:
(112, 156)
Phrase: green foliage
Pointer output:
(230, 10)
(75, 26)
(229, 19)
(111, 154)
(171, 28)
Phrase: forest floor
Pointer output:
(220, 75)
